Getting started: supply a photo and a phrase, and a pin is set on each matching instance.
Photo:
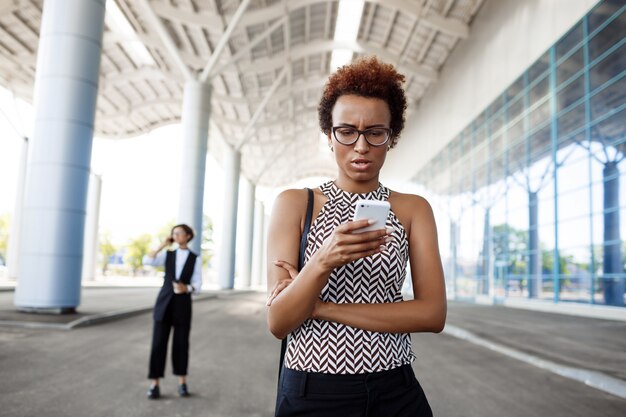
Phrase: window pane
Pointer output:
(515, 89)
(603, 11)
(607, 37)
(611, 130)
(539, 115)
(540, 144)
(571, 120)
(570, 66)
(608, 99)
(571, 93)
(540, 66)
(569, 41)
(610, 67)
(539, 91)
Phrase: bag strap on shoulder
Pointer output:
(307, 226)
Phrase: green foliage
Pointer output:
(547, 261)
(135, 251)
(5, 227)
(509, 245)
(107, 249)
(207, 240)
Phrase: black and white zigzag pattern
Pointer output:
(321, 346)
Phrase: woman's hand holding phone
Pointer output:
(348, 243)
(366, 235)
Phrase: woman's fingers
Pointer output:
(293, 272)
(278, 289)
(348, 232)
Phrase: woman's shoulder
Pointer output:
(409, 201)
(294, 199)
(292, 196)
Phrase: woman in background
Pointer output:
(183, 277)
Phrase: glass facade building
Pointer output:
(534, 187)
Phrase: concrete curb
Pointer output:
(593, 379)
(93, 319)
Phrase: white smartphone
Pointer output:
(371, 209)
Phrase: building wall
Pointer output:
(505, 38)
(532, 189)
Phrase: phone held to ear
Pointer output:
(374, 210)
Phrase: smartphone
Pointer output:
(371, 209)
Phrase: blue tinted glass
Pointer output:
(569, 41)
(607, 37)
(607, 69)
(572, 65)
(602, 12)
(538, 69)
(571, 93)
(608, 99)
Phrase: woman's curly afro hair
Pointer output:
(366, 77)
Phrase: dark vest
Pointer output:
(180, 303)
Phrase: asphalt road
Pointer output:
(101, 371)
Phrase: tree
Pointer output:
(207, 240)
(135, 251)
(509, 245)
(107, 249)
(5, 225)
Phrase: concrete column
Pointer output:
(195, 119)
(534, 251)
(248, 194)
(66, 89)
(16, 222)
(258, 251)
(486, 269)
(489, 258)
(232, 163)
(613, 267)
(91, 228)
(454, 245)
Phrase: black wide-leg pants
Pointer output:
(180, 345)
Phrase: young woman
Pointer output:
(183, 276)
(349, 349)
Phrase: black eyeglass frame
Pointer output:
(362, 132)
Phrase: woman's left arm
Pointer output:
(427, 311)
(196, 278)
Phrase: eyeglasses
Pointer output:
(376, 136)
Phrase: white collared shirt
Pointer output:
(181, 258)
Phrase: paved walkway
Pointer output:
(99, 370)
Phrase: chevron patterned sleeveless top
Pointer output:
(328, 347)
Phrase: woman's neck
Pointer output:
(182, 246)
(357, 187)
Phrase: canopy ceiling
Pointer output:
(267, 80)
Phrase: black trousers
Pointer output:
(180, 346)
(393, 393)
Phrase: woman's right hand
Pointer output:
(346, 244)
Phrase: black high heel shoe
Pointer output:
(154, 392)
(182, 390)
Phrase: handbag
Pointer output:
(305, 232)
